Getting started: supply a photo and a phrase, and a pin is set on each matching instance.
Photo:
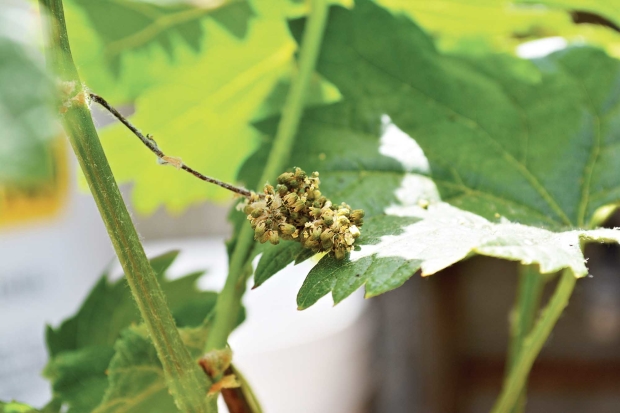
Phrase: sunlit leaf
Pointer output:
(481, 25)
(521, 144)
(127, 26)
(27, 118)
(532, 141)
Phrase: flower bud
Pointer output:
(287, 229)
(291, 198)
(348, 238)
(260, 230)
(340, 253)
(265, 237)
(285, 178)
(327, 244)
(300, 174)
(327, 234)
(273, 237)
(357, 216)
(316, 233)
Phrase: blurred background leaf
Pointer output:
(27, 119)
(479, 26)
(82, 346)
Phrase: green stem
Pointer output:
(533, 343)
(187, 383)
(529, 295)
(228, 303)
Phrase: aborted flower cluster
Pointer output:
(295, 210)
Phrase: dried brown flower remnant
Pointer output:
(296, 210)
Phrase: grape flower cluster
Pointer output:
(296, 210)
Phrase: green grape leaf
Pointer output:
(27, 118)
(521, 144)
(274, 259)
(82, 347)
(203, 117)
(137, 381)
(127, 26)
(479, 25)
(531, 141)
(393, 247)
(342, 141)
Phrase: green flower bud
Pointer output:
(327, 234)
(257, 212)
(273, 237)
(291, 198)
(259, 230)
(285, 178)
(264, 237)
(316, 233)
(315, 212)
(287, 229)
(311, 244)
(340, 253)
(357, 216)
(300, 174)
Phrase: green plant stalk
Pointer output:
(187, 383)
(529, 295)
(533, 343)
(228, 303)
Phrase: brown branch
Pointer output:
(150, 143)
(235, 398)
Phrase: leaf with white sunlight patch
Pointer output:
(434, 236)
(534, 141)
(362, 158)
(515, 144)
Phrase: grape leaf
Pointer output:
(532, 141)
(482, 25)
(82, 347)
(468, 115)
(203, 117)
(127, 26)
(136, 377)
(349, 143)
(394, 246)
(27, 118)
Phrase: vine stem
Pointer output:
(228, 303)
(529, 295)
(186, 382)
(533, 343)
